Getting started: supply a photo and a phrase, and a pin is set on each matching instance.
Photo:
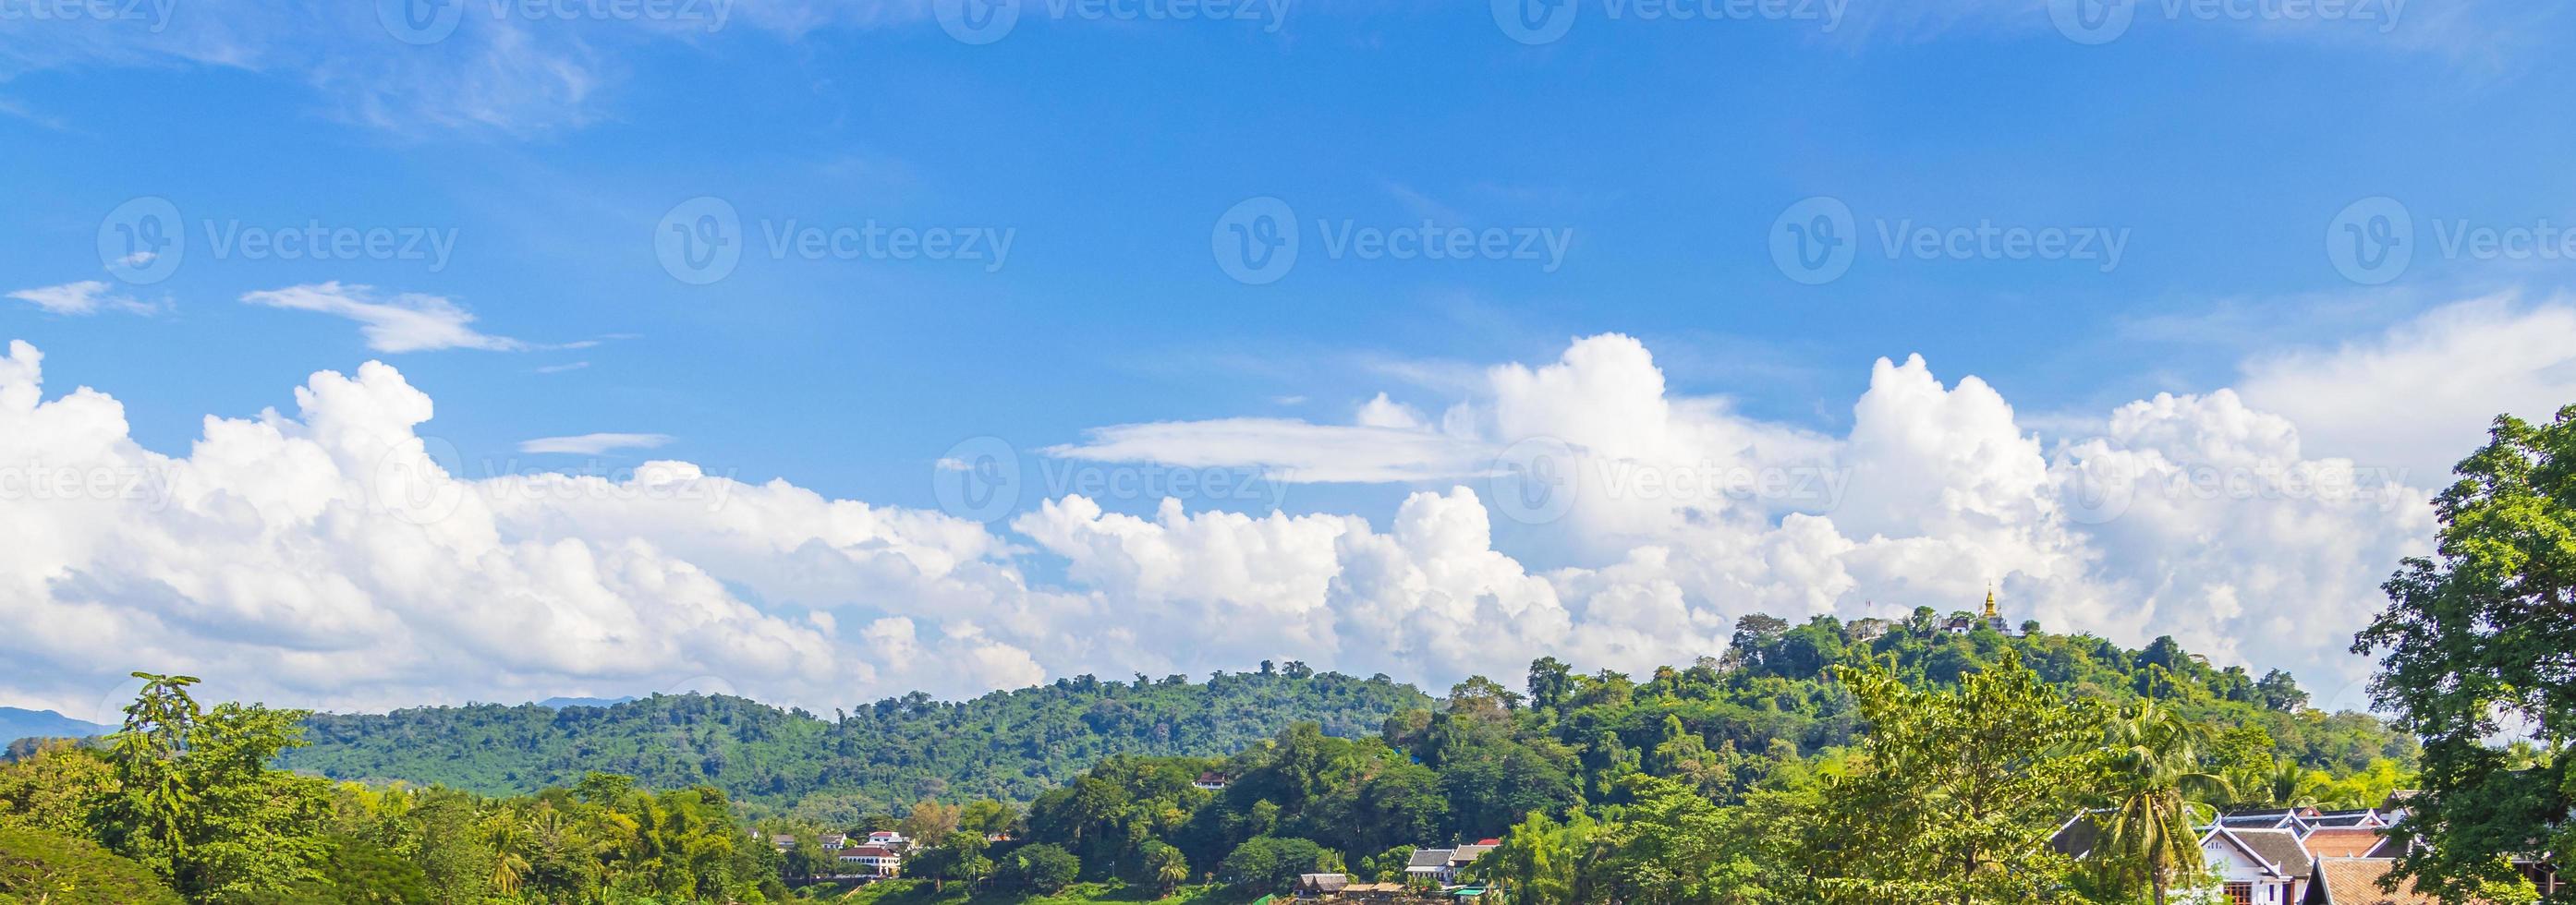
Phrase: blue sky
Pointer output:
(2218, 149)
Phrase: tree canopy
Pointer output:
(2480, 642)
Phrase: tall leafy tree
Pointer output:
(1544, 862)
(196, 802)
(1040, 868)
(2480, 638)
(148, 818)
(1960, 789)
(1673, 847)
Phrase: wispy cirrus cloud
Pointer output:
(492, 68)
(1290, 449)
(83, 297)
(594, 444)
(405, 322)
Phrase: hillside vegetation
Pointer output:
(1007, 745)
(1770, 696)
(1088, 791)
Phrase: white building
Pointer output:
(871, 859)
(2256, 867)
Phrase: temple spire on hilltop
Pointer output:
(1993, 618)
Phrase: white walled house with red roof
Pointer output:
(2257, 867)
(871, 859)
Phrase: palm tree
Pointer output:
(509, 850)
(2148, 827)
(2291, 786)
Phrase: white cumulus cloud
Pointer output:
(337, 556)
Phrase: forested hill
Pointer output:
(1009, 745)
(1770, 689)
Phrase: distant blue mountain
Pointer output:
(561, 703)
(16, 723)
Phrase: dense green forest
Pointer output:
(1007, 745)
(1779, 730)
(193, 798)
(1772, 689)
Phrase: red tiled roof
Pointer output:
(2355, 881)
(2343, 842)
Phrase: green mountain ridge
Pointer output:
(1010, 745)
(19, 723)
(1769, 691)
